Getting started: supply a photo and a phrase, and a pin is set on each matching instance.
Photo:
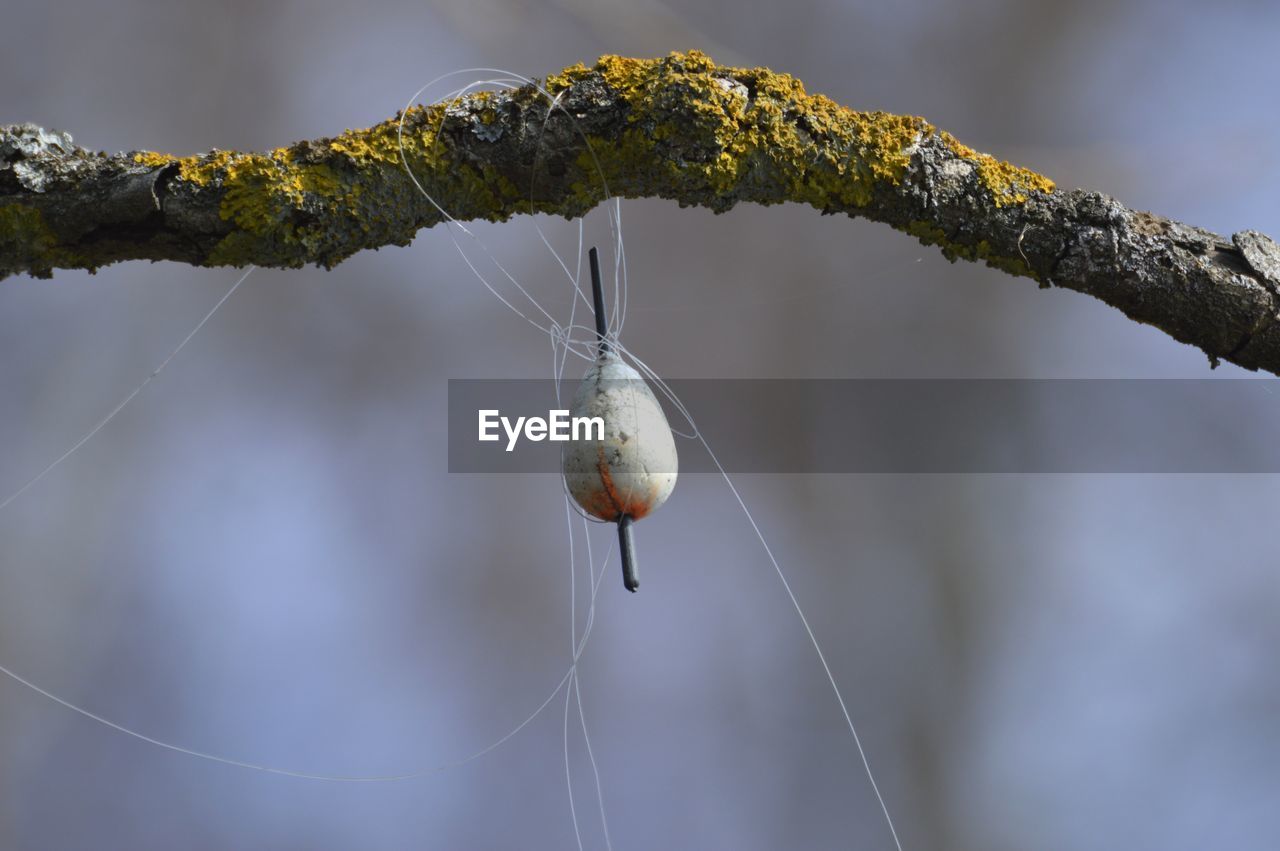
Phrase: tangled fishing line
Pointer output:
(580, 340)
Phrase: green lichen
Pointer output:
(26, 241)
(930, 234)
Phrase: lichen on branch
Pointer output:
(679, 127)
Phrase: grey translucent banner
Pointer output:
(914, 426)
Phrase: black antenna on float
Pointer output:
(626, 542)
(597, 297)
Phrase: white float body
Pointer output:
(633, 470)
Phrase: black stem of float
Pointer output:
(626, 543)
(597, 296)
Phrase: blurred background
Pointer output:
(266, 558)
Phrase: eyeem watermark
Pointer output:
(909, 426)
(557, 426)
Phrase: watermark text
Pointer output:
(558, 425)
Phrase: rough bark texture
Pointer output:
(680, 128)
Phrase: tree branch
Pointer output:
(680, 128)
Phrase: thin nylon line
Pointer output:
(336, 778)
(568, 774)
(127, 399)
(533, 177)
(565, 336)
(302, 775)
(576, 649)
(506, 81)
(813, 639)
(596, 578)
(573, 673)
(591, 757)
(450, 220)
(577, 646)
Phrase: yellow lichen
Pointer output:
(693, 131)
(324, 199)
(263, 191)
(757, 124)
(556, 83)
(1008, 183)
(383, 144)
(202, 170)
(153, 159)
